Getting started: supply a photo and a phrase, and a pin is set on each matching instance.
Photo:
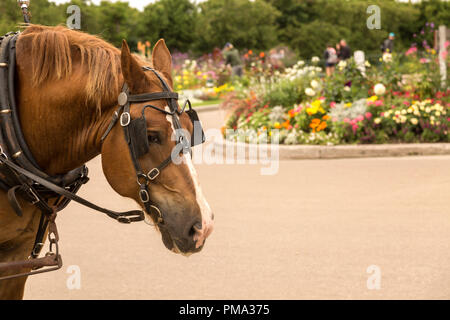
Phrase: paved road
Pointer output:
(311, 231)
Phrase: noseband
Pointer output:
(135, 132)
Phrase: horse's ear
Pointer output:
(132, 71)
(162, 60)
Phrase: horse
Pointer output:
(67, 84)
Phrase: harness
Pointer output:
(21, 176)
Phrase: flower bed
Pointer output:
(400, 100)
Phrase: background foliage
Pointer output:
(303, 25)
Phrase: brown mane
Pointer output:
(53, 50)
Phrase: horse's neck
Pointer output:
(62, 130)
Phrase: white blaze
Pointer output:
(205, 209)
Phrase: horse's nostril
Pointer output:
(197, 227)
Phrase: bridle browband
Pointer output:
(136, 135)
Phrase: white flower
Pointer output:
(437, 113)
(315, 59)
(379, 89)
(387, 57)
(347, 88)
(301, 63)
(310, 92)
(377, 120)
(314, 84)
(367, 64)
(342, 64)
(414, 121)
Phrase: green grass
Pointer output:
(207, 103)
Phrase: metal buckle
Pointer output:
(34, 195)
(37, 249)
(3, 154)
(159, 218)
(143, 194)
(127, 121)
(152, 174)
(124, 219)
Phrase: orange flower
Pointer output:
(326, 117)
(262, 55)
(321, 126)
(317, 125)
(286, 124)
(250, 52)
(292, 113)
(147, 43)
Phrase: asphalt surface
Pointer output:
(309, 232)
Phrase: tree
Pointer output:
(173, 20)
(246, 24)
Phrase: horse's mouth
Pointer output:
(170, 242)
(174, 245)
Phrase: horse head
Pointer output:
(178, 207)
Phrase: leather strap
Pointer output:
(123, 217)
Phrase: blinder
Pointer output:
(138, 131)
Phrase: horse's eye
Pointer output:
(153, 139)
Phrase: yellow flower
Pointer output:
(372, 98)
(348, 104)
(277, 125)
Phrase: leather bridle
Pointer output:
(135, 133)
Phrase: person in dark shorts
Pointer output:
(331, 59)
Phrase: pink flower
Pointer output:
(378, 103)
(392, 107)
(382, 114)
(368, 115)
(334, 119)
(360, 118)
(370, 102)
(346, 120)
(354, 128)
(353, 122)
(406, 103)
(332, 105)
(289, 127)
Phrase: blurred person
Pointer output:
(331, 59)
(388, 44)
(232, 59)
(338, 49)
(345, 52)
